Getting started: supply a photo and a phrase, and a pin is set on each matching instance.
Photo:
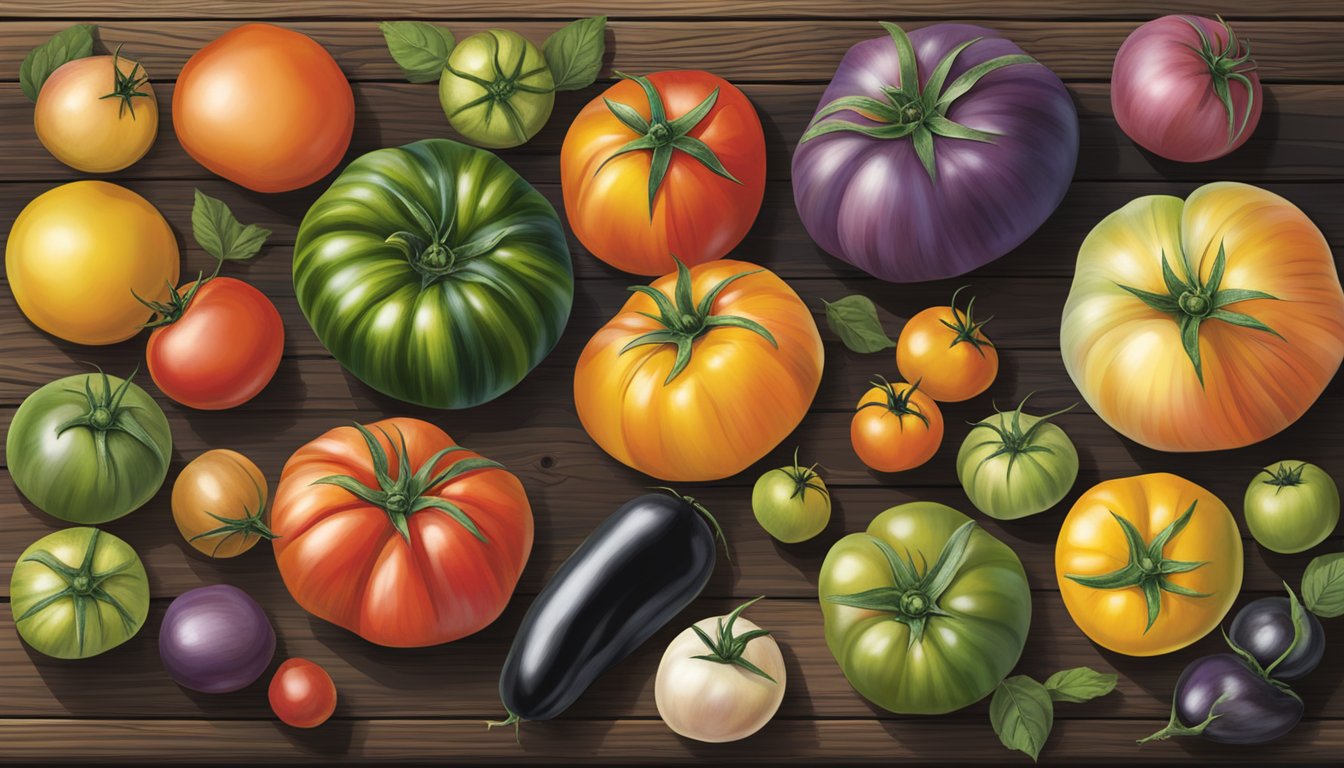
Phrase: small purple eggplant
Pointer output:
(1223, 699)
(1266, 630)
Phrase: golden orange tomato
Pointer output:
(1148, 564)
(1204, 324)
(895, 426)
(946, 351)
(701, 373)
(97, 114)
(219, 503)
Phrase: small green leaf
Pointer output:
(65, 46)
(1323, 585)
(574, 53)
(1022, 714)
(420, 49)
(854, 319)
(220, 234)
(1079, 684)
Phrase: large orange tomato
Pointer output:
(398, 534)
(1148, 564)
(264, 107)
(672, 164)
(701, 373)
(947, 352)
(1204, 324)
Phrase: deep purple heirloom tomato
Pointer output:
(932, 175)
(216, 639)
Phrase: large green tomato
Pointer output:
(496, 89)
(78, 592)
(435, 273)
(1291, 506)
(89, 448)
(925, 612)
(1013, 464)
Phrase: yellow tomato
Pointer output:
(219, 503)
(701, 373)
(1226, 346)
(97, 114)
(1148, 564)
(78, 255)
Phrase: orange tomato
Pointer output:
(895, 426)
(264, 107)
(945, 350)
(637, 223)
(1177, 588)
(97, 114)
(219, 503)
(701, 373)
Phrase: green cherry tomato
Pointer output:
(791, 503)
(1291, 506)
(497, 90)
(1014, 464)
(78, 592)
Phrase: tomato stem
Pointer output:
(105, 414)
(1284, 476)
(250, 524)
(83, 587)
(171, 311)
(898, 404)
(727, 648)
(804, 479)
(1013, 440)
(1226, 66)
(964, 327)
(126, 86)
(500, 90)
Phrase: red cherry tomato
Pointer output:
(215, 348)
(302, 694)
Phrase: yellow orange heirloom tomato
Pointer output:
(701, 373)
(895, 426)
(1204, 324)
(1148, 564)
(97, 114)
(219, 503)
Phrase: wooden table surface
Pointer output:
(428, 705)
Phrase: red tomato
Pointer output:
(302, 694)
(218, 344)
(403, 554)
(620, 207)
(264, 107)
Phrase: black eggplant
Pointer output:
(636, 571)
(1265, 630)
(1223, 699)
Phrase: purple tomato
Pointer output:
(216, 639)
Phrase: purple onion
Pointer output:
(871, 202)
(216, 639)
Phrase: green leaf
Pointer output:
(420, 49)
(1079, 684)
(1022, 714)
(854, 319)
(1323, 585)
(65, 46)
(574, 53)
(220, 234)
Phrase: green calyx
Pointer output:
(914, 596)
(435, 257)
(107, 413)
(897, 403)
(1010, 439)
(408, 493)
(727, 648)
(1148, 568)
(908, 111)
(664, 137)
(252, 523)
(685, 320)
(170, 311)
(964, 326)
(83, 587)
(502, 88)
(1283, 476)
(1192, 301)
(1227, 66)
(126, 85)
(804, 478)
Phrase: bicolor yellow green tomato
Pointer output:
(496, 89)
(1014, 464)
(791, 503)
(1291, 506)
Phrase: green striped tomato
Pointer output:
(434, 273)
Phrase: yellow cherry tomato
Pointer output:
(219, 503)
(97, 114)
(1149, 564)
(945, 350)
(79, 254)
(895, 426)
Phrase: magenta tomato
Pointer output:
(302, 694)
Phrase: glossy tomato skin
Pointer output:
(345, 562)
(302, 694)
(894, 442)
(223, 350)
(77, 252)
(484, 124)
(219, 483)
(265, 107)
(786, 512)
(88, 132)
(1092, 543)
(1291, 517)
(947, 370)
(697, 216)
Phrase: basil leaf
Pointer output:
(1079, 684)
(220, 234)
(420, 49)
(854, 320)
(574, 53)
(1022, 714)
(1323, 586)
(67, 45)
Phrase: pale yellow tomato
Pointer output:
(97, 114)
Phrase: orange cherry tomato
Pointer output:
(895, 427)
(302, 694)
(264, 107)
(945, 350)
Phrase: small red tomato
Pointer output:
(216, 345)
(302, 694)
